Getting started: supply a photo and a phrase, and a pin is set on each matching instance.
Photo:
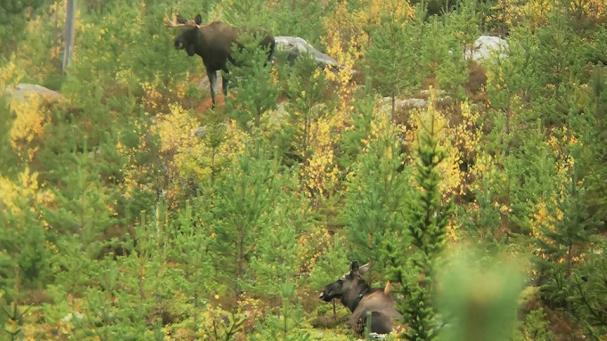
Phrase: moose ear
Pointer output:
(198, 19)
(354, 267)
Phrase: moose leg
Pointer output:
(212, 80)
(224, 82)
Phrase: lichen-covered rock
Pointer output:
(294, 47)
(485, 47)
(22, 91)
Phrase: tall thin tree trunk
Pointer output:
(240, 261)
(69, 34)
(393, 106)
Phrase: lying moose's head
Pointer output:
(360, 298)
(349, 288)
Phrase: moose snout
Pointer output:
(178, 44)
(325, 296)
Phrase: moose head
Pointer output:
(363, 301)
(213, 43)
(190, 34)
(349, 288)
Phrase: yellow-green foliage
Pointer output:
(130, 209)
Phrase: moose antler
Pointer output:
(178, 21)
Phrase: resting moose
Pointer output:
(360, 298)
(213, 43)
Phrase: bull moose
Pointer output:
(213, 43)
(362, 300)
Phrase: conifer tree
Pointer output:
(392, 57)
(251, 80)
(589, 292)
(413, 264)
(242, 209)
(13, 18)
(376, 192)
(305, 87)
(595, 138)
(562, 245)
(275, 264)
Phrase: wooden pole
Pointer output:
(69, 34)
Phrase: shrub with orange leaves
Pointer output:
(10, 74)
(26, 189)
(190, 153)
(535, 13)
(28, 126)
(157, 96)
(466, 138)
(346, 40)
(378, 11)
(311, 247)
(545, 217)
(320, 175)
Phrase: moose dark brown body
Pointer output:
(213, 43)
(361, 299)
